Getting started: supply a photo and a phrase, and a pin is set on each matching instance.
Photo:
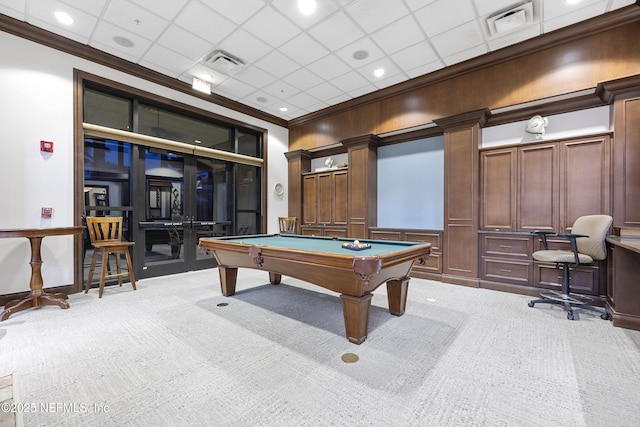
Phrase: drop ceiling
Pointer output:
(284, 59)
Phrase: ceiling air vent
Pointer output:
(222, 62)
(509, 20)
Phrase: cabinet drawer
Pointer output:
(335, 232)
(583, 280)
(385, 235)
(507, 246)
(506, 270)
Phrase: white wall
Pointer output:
(36, 103)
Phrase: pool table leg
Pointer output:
(275, 278)
(356, 316)
(228, 277)
(397, 295)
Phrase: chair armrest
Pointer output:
(543, 235)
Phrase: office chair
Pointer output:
(587, 240)
(106, 237)
(287, 224)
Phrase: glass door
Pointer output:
(185, 198)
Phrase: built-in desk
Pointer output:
(623, 294)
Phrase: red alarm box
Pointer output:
(46, 146)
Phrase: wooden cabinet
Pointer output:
(506, 258)
(541, 186)
(498, 188)
(538, 188)
(325, 198)
(623, 293)
(325, 203)
(545, 186)
(506, 264)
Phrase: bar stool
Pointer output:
(106, 237)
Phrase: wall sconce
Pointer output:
(536, 125)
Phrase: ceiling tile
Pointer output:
(465, 54)
(364, 44)
(372, 15)
(440, 16)
(324, 91)
(362, 90)
(418, 4)
(277, 63)
(272, 27)
(329, 67)
(41, 14)
(244, 46)
(425, 69)
(254, 76)
(185, 43)
(573, 17)
(236, 11)
(336, 31)
(289, 8)
(413, 56)
(398, 35)
(280, 89)
(302, 100)
(204, 22)
(390, 69)
(135, 19)
(554, 8)
(93, 7)
(105, 33)
(303, 49)
(235, 88)
(303, 79)
(166, 9)
(458, 39)
(168, 59)
(390, 81)
(350, 81)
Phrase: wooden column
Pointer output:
(363, 185)
(462, 139)
(299, 163)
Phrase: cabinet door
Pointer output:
(310, 197)
(498, 192)
(538, 188)
(325, 198)
(584, 179)
(340, 189)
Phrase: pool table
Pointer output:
(324, 262)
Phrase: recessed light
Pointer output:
(283, 109)
(123, 41)
(261, 99)
(64, 18)
(360, 54)
(307, 7)
(206, 77)
(378, 72)
(572, 1)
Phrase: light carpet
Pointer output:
(168, 355)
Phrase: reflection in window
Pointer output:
(165, 124)
(107, 110)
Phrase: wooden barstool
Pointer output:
(106, 237)
(287, 224)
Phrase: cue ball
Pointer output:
(356, 242)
